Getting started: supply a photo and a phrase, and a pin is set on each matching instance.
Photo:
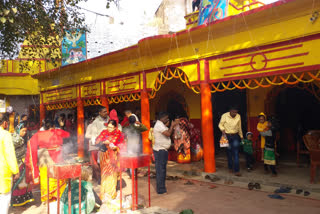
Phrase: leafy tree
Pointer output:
(40, 22)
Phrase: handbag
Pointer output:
(224, 141)
(98, 147)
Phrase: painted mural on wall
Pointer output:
(211, 10)
(74, 47)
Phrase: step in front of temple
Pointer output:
(294, 177)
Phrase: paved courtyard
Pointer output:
(206, 197)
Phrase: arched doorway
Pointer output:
(176, 105)
(297, 111)
(176, 99)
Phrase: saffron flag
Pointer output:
(211, 10)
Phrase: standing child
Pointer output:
(269, 150)
(248, 150)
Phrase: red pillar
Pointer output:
(207, 124)
(145, 117)
(105, 102)
(42, 113)
(80, 127)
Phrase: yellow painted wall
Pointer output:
(13, 85)
(239, 6)
(261, 28)
(256, 100)
(26, 63)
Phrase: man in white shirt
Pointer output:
(162, 143)
(230, 125)
(97, 126)
(93, 131)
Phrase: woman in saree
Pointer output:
(182, 141)
(113, 139)
(21, 191)
(45, 149)
(262, 127)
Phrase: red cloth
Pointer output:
(125, 122)
(114, 116)
(69, 126)
(116, 137)
(109, 159)
(51, 140)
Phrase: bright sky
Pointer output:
(130, 23)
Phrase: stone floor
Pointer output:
(289, 174)
(154, 210)
(205, 197)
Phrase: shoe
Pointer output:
(212, 187)
(207, 177)
(283, 190)
(228, 182)
(276, 196)
(169, 178)
(175, 178)
(306, 193)
(251, 186)
(238, 174)
(188, 183)
(162, 193)
(299, 191)
(214, 179)
(249, 170)
(257, 186)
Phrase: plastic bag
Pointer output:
(224, 141)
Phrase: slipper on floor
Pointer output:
(169, 178)
(251, 186)
(283, 190)
(212, 187)
(207, 177)
(275, 196)
(189, 183)
(212, 178)
(306, 193)
(228, 182)
(257, 186)
(215, 178)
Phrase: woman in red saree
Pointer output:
(109, 160)
(44, 149)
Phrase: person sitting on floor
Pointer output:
(88, 196)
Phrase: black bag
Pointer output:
(102, 147)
